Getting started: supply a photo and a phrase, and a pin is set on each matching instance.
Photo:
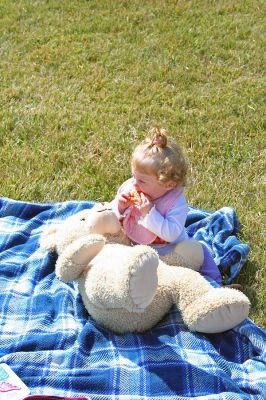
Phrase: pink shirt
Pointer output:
(165, 220)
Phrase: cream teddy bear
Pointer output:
(128, 288)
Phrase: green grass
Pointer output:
(81, 82)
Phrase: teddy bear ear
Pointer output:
(48, 238)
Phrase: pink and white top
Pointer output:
(162, 227)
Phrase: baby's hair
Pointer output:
(160, 155)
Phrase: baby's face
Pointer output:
(149, 184)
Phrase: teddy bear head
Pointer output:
(99, 219)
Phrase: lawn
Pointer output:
(82, 81)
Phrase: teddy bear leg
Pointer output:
(219, 310)
(121, 277)
(143, 279)
(76, 257)
(205, 308)
(188, 253)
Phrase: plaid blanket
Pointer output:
(51, 343)
(218, 231)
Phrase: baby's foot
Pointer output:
(235, 286)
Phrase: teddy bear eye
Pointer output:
(82, 219)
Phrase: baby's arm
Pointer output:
(170, 226)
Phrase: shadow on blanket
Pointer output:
(48, 339)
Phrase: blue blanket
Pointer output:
(52, 344)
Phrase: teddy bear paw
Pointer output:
(217, 311)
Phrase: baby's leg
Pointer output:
(209, 267)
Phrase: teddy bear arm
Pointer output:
(77, 256)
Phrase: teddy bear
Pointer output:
(129, 288)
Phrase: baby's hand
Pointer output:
(145, 204)
(123, 202)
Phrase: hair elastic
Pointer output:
(157, 139)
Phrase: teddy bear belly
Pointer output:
(121, 321)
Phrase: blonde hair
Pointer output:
(161, 156)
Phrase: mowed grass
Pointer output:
(81, 82)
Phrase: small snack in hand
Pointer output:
(134, 197)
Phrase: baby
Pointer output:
(152, 205)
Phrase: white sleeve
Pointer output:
(170, 227)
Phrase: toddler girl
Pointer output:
(152, 206)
